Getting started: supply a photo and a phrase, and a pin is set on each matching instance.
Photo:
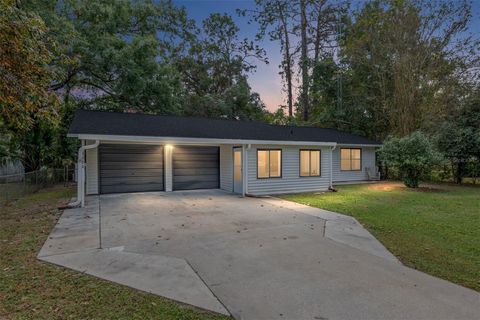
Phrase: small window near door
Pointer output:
(350, 159)
(269, 164)
(310, 163)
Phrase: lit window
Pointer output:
(269, 163)
(350, 159)
(309, 163)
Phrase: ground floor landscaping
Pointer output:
(434, 228)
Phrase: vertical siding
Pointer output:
(91, 171)
(290, 182)
(226, 168)
(368, 160)
(168, 168)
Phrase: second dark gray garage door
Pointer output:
(195, 168)
(130, 168)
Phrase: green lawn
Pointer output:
(30, 289)
(435, 229)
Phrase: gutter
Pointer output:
(81, 174)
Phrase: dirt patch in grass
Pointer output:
(386, 186)
(391, 186)
(31, 289)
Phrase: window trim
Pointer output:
(361, 159)
(309, 163)
(281, 163)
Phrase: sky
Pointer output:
(266, 79)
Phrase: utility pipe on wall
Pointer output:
(81, 174)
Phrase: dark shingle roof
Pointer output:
(135, 124)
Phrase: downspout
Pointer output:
(81, 174)
(331, 166)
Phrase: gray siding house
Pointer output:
(129, 152)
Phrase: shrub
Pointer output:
(413, 156)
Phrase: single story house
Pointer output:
(131, 152)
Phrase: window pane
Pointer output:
(314, 163)
(275, 163)
(262, 163)
(345, 164)
(356, 164)
(356, 153)
(345, 154)
(304, 163)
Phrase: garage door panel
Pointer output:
(132, 188)
(131, 180)
(195, 164)
(129, 148)
(133, 157)
(131, 172)
(130, 165)
(195, 171)
(131, 168)
(179, 150)
(194, 157)
(209, 178)
(196, 185)
(195, 168)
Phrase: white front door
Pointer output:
(237, 170)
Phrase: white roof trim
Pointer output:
(180, 140)
(358, 145)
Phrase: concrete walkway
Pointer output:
(252, 258)
(341, 228)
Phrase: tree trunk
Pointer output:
(288, 60)
(304, 61)
(460, 168)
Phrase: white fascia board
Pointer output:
(359, 145)
(200, 141)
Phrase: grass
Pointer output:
(30, 289)
(435, 229)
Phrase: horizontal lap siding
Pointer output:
(131, 168)
(195, 167)
(290, 182)
(226, 167)
(368, 160)
(91, 171)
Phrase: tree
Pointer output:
(412, 155)
(215, 71)
(304, 98)
(404, 58)
(25, 100)
(119, 53)
(459, 136)
(304, 29)
(274, 18)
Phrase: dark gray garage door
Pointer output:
(130, 168)
(195, 168)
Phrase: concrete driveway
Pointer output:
(252, 258)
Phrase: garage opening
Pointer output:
(196, 167)
(130, 168)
